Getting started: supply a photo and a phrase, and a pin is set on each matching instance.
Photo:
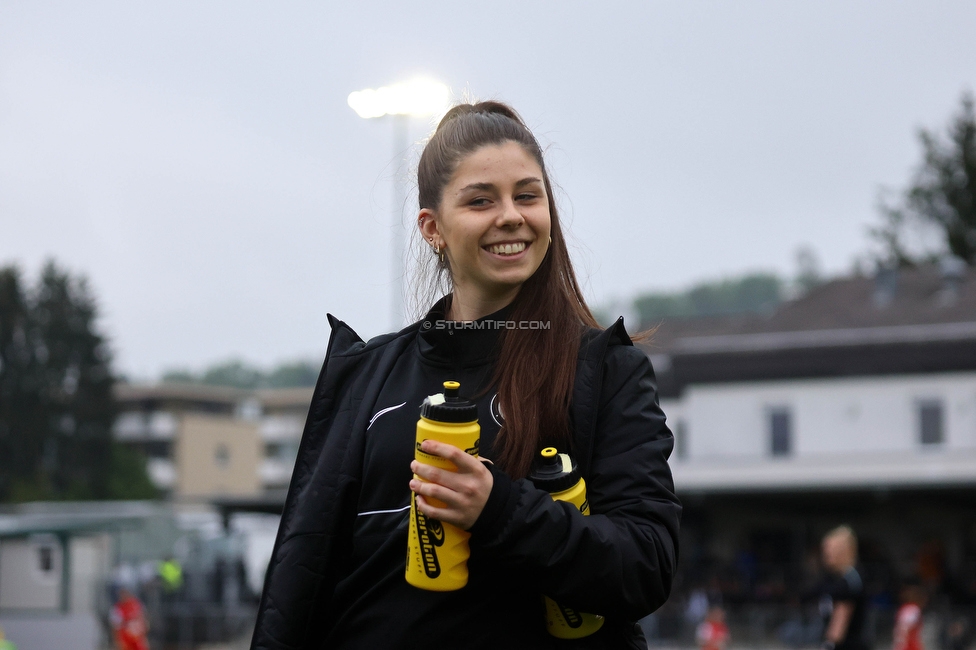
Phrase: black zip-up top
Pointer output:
(336, 578)
(374, 603)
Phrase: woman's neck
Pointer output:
(466, 307)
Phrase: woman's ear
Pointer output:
(427, 222)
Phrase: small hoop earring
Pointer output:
(550, 241)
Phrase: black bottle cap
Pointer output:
(452, 409)
(554, 472)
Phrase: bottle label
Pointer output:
(430, 532)
(571, 616)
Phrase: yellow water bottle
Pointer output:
(437, 553)
(558, 475)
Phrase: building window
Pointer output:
(45, 559)
(158, 449)
(680, 439)
(222, 456)
(285, 452)
(931, 427)
(780, 432)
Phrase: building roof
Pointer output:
(279, 398)
(915, 320)
(76, 517)
(828, 472)
(271, 398)
(910, 297)
(179, 392)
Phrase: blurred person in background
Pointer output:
(6, 644)
(908, 620)
(843, 603)
(957, 634)
(336, 577)
(713, 633)
(129, 623)
(170, 573)
(697, 608)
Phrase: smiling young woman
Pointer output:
(336, 578)
(493, 226)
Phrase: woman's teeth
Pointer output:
(507, 249)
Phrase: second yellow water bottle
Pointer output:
(557, 474)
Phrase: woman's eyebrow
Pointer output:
(477, 186)
(487, 187)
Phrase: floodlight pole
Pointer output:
(401, 144)
(417, 97)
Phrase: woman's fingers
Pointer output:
(463, 493)
(458, 495)
(433, 474)
(438, 492)
(461, 459)
(440, 514)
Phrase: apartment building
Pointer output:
(205, 442)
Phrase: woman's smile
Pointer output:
(507, 250)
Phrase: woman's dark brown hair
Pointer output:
(536, 367)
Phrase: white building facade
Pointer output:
(816, 433)
(856, 405)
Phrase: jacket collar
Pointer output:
(465, 343)
(345, 342)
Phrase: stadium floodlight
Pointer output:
(417, 97)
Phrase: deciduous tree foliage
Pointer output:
(56, 404)
(239, 374)
(754, 293)
(942, 194)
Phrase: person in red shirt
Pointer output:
(712, 633)
(129, 622)
(908, 621)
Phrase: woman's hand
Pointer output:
(464, 492)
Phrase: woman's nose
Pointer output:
(510, 215)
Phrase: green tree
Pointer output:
(129, 478)
(942, 194)
(20, 445)
(234, 373)
(179, 376)
(298, 373)
(239, 374)
(753, 293)
(56, 402)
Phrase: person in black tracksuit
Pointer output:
(336, 578)
(843, 602)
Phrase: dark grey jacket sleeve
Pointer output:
(621, 559)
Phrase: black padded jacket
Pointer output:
(619, 561)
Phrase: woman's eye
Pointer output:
(525, 197)
(477, 202)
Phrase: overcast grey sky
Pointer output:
(199, 163)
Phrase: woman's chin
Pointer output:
(494, 288)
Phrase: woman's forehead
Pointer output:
(492, 163)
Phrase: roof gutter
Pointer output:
(832, 338)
